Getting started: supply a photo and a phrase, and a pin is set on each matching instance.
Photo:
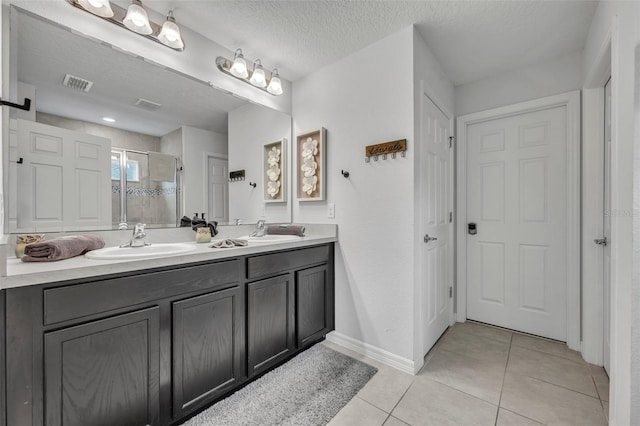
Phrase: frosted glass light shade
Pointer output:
(275, 85)
(239, 67)
(258, 78)
(170, 33)
(137, 19)
(97, 7)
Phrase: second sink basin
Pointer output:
(271, 239)
(154, 250)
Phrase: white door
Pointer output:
(607, 226)
(437, 227)
(517, 199)
(64, 182)
(218, 189)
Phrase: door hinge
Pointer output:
(451, 138)
(450, 217)
(450, 292)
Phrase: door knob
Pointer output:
(428, 239)
(601, 241)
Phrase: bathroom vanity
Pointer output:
(154, 345)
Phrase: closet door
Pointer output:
(64, 182)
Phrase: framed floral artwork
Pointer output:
(311, 165)
(274, 172)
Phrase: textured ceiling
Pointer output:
(471, 39)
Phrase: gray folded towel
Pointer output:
(61, 248)
(228, 243)
(286, 229)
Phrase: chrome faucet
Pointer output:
(137, 238)
(261, 229)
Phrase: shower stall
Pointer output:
(145, 188)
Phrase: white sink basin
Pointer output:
(126, 253)
(270, 239)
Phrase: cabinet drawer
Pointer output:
(269, 264)
(76, 301)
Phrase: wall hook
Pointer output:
(345, 174)
(253, 184)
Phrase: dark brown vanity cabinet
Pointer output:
(106, 369)
(208, 348)
(314, 304)
(152, 347)
(290, 310)
(270, 319)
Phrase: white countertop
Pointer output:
(20, 274)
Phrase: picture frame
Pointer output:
(311, 165)
(274, 172)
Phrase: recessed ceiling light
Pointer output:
(109, 119)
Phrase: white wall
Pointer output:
(635, 302)
(250, 128)
(361, 101)
(617, 23)
(550, 78)
(196, 144)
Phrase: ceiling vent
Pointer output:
(77, 83)
(148, 105)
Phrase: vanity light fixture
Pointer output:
(101, 8)
(238, 68)
(275, 85)
(257, 76)
(170, 33)
(135, 19)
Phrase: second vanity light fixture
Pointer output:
(238, 68)
(135, 18)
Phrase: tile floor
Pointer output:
(481, 375)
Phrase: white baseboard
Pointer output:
(392, 360)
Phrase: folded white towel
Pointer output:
(228, 243)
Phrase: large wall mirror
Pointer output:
(112, 138)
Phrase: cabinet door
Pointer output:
(270, 322)
(314, 305)
(104, 372)
(208, 348)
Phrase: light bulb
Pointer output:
(258, 78)
(275, 85)
(97, 7)
(239, 67)
(170, 33)
(137, 19)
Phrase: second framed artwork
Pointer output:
(311, 166)
(275, 163)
